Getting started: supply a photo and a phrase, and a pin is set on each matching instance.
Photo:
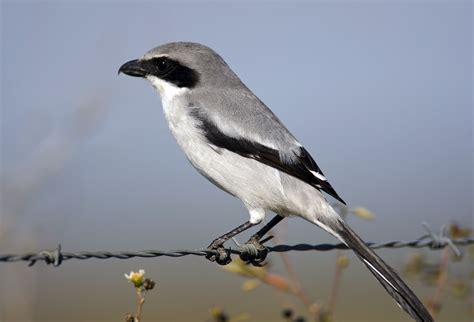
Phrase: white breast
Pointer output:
(256, 184)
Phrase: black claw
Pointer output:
(254, 253)
(222, 255)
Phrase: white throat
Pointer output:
(167, 91)
(174, 107)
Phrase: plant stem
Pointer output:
(141, 300)
(336, 282)
(298, 290)
(335, 285)
(434, 302)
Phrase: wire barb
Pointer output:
(56, 257)
(50, 257)
(441, 239)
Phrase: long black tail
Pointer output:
(389, 279)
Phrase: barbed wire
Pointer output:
(57, 256)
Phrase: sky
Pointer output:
(379, 92)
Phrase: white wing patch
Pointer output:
(318, 175)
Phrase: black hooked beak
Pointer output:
(133, 68)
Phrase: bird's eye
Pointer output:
(162, 65)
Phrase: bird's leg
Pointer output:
(223, 256)
(259, 253)
(265, 229)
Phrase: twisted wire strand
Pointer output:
(56, 257)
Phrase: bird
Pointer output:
(234, 140)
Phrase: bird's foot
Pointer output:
(253, 252)
(219, 254)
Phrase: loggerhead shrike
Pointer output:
(235, 141)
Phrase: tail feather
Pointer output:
(386, 276)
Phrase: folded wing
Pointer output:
(296, 162)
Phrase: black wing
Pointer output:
(302, 166)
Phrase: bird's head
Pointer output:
(181, 66)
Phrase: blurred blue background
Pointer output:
(380, 93)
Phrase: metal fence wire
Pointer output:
(249, 252)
